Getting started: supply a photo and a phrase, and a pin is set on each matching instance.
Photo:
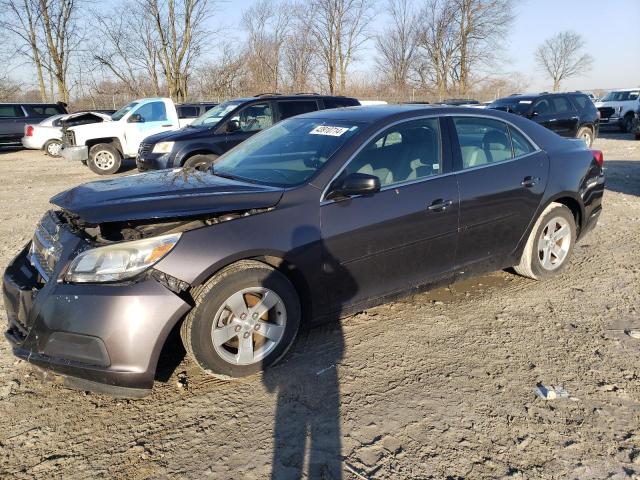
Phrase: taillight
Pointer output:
(29, 131)
(598, 157)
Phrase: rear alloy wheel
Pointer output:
(52, 148)
(104, 159)
(586, 135)
(550, 243)
(200, 162)
(245, 319)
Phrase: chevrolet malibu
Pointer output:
(320, 216)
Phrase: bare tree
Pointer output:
(562, 56)
(300, 57)
(179, 34)
(482, 26)
(22, 20)
(340, 29)
(224, 78)
(397, 44)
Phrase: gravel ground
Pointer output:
(440, 385)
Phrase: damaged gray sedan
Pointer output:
(318, 217)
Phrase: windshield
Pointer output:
(620, 96)
(286, 154)
(519, 106)
(213, 116)
(123, 111)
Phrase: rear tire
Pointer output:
(52, 148)
(586, 134)
(550, 243)
(104, 159)
(223, 333)
(200, 162)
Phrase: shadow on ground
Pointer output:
(623, 176)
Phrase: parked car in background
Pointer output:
(618, 106)
(225, 126)
(571, 115)
(14, 117)
(320, 216)
(636, 124)
(188, 112)
(103, 142)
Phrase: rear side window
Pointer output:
(297, 107)
(188, 112)
(10, 111)
(583, 102)
(561, 105)
(43, 110)
(340, 102)
(482, 141)
(521, 146)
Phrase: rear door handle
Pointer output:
(529, 182)
(440, 205)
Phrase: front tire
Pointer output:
(200, 162)
(550, 243)
(245, 319)
(627, 123)
(52, 148)
(104, 159)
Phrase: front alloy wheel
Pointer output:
(245, 318)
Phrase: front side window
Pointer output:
(482, 141)
(288, 154)
(298, 107)
(212, 116)
(153, 112)
(255, 117)
(542, 107)
(123, 111)
(406, 152)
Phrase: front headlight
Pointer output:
(120, 261)
(163, 147)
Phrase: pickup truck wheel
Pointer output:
(52, 148)
(104, 159)
(550, 243)
(200, 162)
(245, 318)
(627, 123)
(586, 134)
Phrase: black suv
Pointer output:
(225, 126)
(568, 114)
(14, 116)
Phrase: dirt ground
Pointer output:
(440, 385)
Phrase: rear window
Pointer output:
(296, 107)
(10, 111)
(583, 102)
(44, 110)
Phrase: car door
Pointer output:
(544, 114)
(402, 236)
(566, 116)
(12, 122)
(250, 119)
(146, 120)
(502, 177)
(291, 108)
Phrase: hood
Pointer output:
(82, 118)
(163, 194)
(186, 133)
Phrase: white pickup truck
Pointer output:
(102, 143)
(618, 107)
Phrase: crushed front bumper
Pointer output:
(105, 338)
(76, 154)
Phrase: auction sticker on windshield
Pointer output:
(328, 130)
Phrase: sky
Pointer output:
(611, 29)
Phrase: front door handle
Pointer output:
(169, 125)
(440, 205)
(529, 182)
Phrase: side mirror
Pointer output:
(136, 118)
(355, 184)
(233, 126)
